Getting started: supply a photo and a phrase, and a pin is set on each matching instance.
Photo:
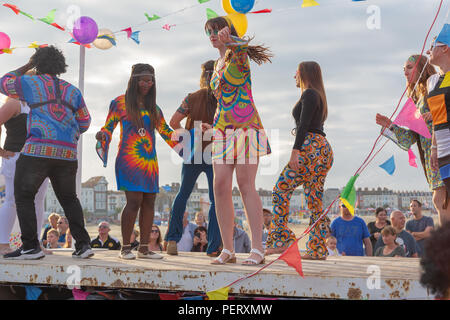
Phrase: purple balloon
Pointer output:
(85, 30)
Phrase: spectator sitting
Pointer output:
(104, 240)
(68, 242)
(63, 226)
(187, 239)
(133, 240)
(267, 221)
(376, 226)
(200, 220)
(331, 246)
(351, 233)
(200, 241)
(52, 237)
(52, 224)
(155, 242)
(404, 239)
(435, 263)
(391, 248)
(241, 240)
(419, 226)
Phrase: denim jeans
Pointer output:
(189, 176)
(30, 173)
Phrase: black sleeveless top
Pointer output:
(16, 133)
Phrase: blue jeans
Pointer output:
(189, 176)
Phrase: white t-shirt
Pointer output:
(186, 242)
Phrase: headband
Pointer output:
(143, 74)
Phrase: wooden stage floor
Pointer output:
(336, 278)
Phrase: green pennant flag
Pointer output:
(210, 14)
(155, 17)
(203, 1)
(27, 15)
(348, 195)
(50, 18)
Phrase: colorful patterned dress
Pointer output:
(136, 162)
(238, 131)
(406, 138)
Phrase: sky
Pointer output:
(362, 70)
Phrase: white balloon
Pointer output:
(104, 44)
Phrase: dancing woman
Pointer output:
(311, 159)
(136, 162)
(239, 138)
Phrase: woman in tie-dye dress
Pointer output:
(239, 138)
(136, 162)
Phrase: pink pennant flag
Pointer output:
(128, 31)
(412, 158)
(411, 118)
(168, 26)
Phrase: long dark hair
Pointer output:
(131, 97)
(258, 54)
(205, 83)
(311, 78)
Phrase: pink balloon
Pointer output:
(85, 30)
(5, 41)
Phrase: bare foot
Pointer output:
(277, 250)
(4, 248)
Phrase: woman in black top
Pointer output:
(311, 159)
(376, 226)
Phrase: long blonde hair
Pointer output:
(421, 90)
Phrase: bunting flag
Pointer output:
(12, 7)
(219, 294)
(8, 50)
(168, 26)
(309, 3)
(412, 158)
(262, 11)
(153, 18)
(292, 258)
(211, 14)
(389, 165)
(169, 296)
(50, 18)
(446, 82)
(129, 31)
(203, 1)
(444, 35)
(135, 37)
(76, 42)
(411, 118)
(348, 195)
(79, 294)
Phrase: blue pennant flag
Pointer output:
(135, 37)
(389, 165)
(444, 36)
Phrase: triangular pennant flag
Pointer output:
(50, 18)
(168, 26)
(57, 26)
(32, 292)
(348, 195)
(411, 118)
(389, 165)
(203, 1)
(135, 37)
(220, 294)
(33, 45)
(446, 82)
(12, 7)
(8, 50)
(292, 257)
(27, 15)
(153, 18)
(211, 14)
(444, 35)
(262, 11)
(412, 158)
(309, 3)
(129, 31)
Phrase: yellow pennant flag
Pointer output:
(8, 50)
(446, 82)
(33, 45)
(309, 3)
(220, 294)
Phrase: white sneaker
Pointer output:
(127, 255)
(149, 255)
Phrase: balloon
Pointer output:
(240, 23)
(242, 6)
(105, 44)
(227, 6)
(5, 41)
(85, 30)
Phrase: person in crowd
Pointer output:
(353, 237)
(155, 242)
(376, 226)
(267, 222)
(404, 239)
(200, 240)
(405, 138)
(390, 248)
(52, 239)
(200, 220)
(137, 172)
(104, 240)
(52, 224)
(63, 226)
(133, 241)
(198, 107)
(68, 242)
(332, 246)
(435, 263)
(420, 226)
(241, 240)
(59, 107)
(311, 160)
(239, 139)
(187, 239)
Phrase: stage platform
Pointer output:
(335, 278)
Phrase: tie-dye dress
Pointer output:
(238, 130)
(136, 162)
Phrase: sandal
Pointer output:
(253, 261)
(126, 254)
(231, 258)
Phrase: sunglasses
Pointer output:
(103, 227)
(155, 231)
(209, 32)
(435, 44)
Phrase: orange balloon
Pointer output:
(226, 4)
(240, 22)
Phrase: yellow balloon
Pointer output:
(240, 23)
(226, 4)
